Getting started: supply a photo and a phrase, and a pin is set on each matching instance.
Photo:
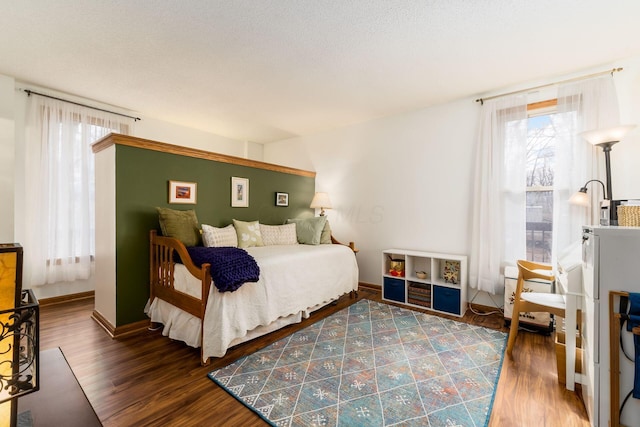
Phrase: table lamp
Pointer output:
(321, 201)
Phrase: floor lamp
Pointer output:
(606, 138)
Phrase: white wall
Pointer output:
(402, 181)
(406, 181)
(158, 130)
(7, 159)
(625, 156)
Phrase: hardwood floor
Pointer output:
(148, 380)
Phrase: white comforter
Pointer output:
(294, 280)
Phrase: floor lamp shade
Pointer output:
(19, 317)
(608, 135)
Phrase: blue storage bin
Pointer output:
(393, 289)
(446, 299)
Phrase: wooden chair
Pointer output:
(533, 301)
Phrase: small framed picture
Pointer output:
(182, 192)
(239, 192)
(282, 199)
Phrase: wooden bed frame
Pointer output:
(161, 273)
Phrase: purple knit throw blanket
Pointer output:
(230, 267)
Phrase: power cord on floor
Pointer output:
(499, 310)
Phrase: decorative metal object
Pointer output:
(19, 348)
(19, 329)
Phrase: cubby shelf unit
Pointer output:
(444, 289)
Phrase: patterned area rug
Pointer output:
(372, 364)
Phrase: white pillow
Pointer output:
(278, 234)
(214, 237)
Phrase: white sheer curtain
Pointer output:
(584, 105)
(59, 234)
(499, 213)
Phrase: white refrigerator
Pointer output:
(611, 261)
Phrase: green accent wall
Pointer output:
(142, 184)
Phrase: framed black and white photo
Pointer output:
(182, 192)
(282, 199)
(239, 192)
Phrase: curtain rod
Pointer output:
(30, 92)
(614, 70)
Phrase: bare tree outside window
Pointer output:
(541, 138)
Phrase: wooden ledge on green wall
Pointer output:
(147, 144)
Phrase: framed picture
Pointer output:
(182, 192)
(282, 199)
(239, 192)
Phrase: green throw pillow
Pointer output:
(248, 233)
(309, 230)
(325, 237)
(181, 225)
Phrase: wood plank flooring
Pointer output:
(148, 380)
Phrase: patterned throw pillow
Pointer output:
(248, 233)
(214, 237)
(278, 234)
(181, 225)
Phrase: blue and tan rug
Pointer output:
(372, 364)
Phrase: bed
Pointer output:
(294, 281)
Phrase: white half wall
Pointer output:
(105, 271)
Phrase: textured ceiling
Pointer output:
(266, 70)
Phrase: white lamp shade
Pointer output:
(602, 136)
(579, 198)
(321, 201)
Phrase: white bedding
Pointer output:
(294, 280)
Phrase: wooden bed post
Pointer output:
(352, 246)
(206, 286)
(153, 270)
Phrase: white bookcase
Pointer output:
(444, 289)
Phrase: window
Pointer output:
(59, 183)
(540, 163)
(502, 230)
